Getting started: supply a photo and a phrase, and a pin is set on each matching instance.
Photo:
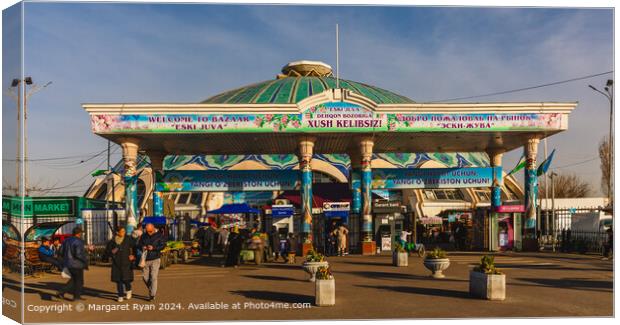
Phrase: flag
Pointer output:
(520, 165)
(99, 172)
(545, 165)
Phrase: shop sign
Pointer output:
(38, 207)
(326, 117)
(510, 208)
(336, 209)
(282, 211)
(227, 180)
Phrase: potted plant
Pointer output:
(400, 257)
(436, 261)
(314, 260)
(325, 287)
(486, 281)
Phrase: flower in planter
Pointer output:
(487, 265)
(324, 273)
(314, 256)
(399, 248)
(436, 253)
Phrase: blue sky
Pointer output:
(188, 52)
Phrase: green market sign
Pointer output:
(38, 207)
(326, 117)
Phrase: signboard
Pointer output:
(403, 178)
(38, 207)
(282, 211)
(510, 208)
(326, 117)
(227, 180)
(336, 209)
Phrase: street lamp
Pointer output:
(609, 95)
(553, 175)
(17, 83)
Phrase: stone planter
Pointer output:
(312, 267)
(437, 266)
(487, 286)
(400, 258)
(325, 292)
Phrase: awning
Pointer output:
(154, 220)
(45, 229)
(10, 231)
(321, 193)
(234, 208)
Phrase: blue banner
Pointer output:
(401, 178)
(228, 180)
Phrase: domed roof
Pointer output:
(302, 79)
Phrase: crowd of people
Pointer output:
(232, 241)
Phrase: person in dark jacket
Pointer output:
(209, 239)
(75, 260)
(152, 242)
(122, 252)
(235, 241)
(47, 254)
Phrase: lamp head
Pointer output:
(15, 82)
(28, 80)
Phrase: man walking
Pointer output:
(152, 242)
(76, 261)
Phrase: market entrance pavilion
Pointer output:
(306, 111)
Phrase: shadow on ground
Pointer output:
(274, 296)
(422, 291)
(572, 283)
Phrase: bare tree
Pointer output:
(603, 153)
(567, 186)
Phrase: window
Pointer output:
(444, 194)
(183, 198)
(484, 195)
(318, 177)
(196, 198)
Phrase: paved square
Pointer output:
(538, 285)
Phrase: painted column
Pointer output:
(531, 189)
(496, 201)
(130, 178)
(356, 185)
(157, 163)
(496, 189)
(366, 146)
(306, 147)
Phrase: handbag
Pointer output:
(65, 273)
(142, 263)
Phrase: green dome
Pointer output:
(293, 89)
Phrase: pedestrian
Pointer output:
(292, 244)
(274, 241)
(609, 244)
(56, 247)
(235, 241)
(199, 236)
(341, 233)
(47, 254)
(121, 250)
(209, 239)
(75, 260)
(331, 239)
(222, 239)
(152, 242)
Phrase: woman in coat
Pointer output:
(121, 250)
(235, 241)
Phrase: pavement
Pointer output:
(367, 287)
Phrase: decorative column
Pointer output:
(356, 186)
(496, 200)
(531, 193)
(496, 189)
(306, 148)
(369, 246)
(130, 178)
(157, 167)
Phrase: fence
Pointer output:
(575, 241)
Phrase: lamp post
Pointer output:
(552, 175)
(609, 95)
(19, 84)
